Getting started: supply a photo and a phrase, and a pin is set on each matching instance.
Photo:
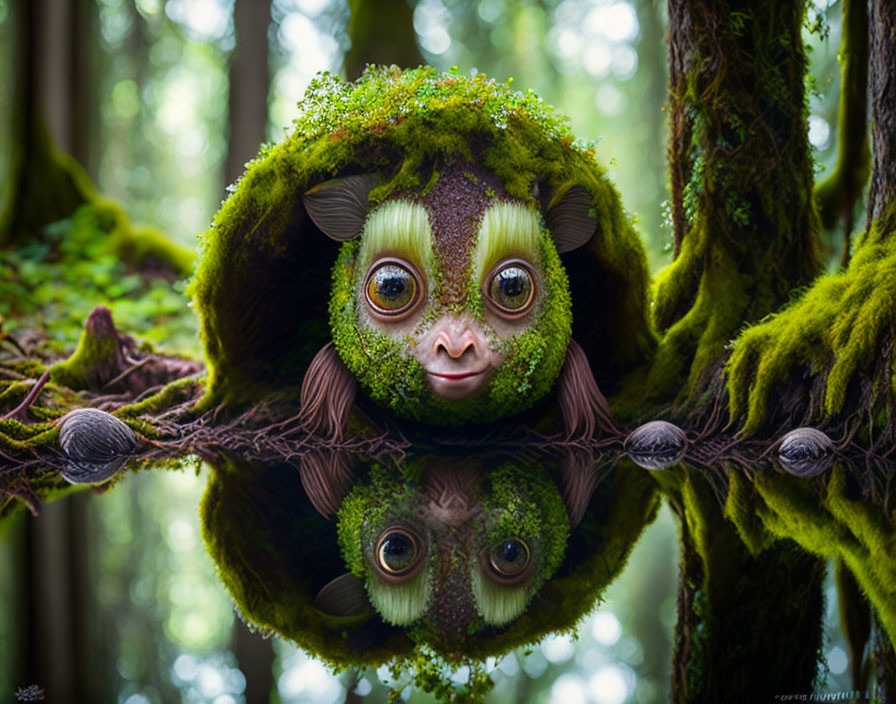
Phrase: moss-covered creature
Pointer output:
(454, 306)
(281, 559)
(458, 550)
(472, 188)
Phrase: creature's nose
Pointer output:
(456, 340)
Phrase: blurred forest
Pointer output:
(162, 102)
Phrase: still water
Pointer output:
(452, 562)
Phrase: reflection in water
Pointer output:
(454, 545)
(464, 557)
(656, 445)
(440, 561)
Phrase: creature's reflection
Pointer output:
(469, 555)
(450, 546)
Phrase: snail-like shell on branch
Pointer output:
(656, 445)
(96, 444)
(805, 452)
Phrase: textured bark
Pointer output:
(681, 121)
(883, 106)
(741, 176)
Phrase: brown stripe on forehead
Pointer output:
(455, 206)
(452, 607)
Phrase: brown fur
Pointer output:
(328, 394)
(326, 478)
(456, 204)
(583, 406)
(580, 479)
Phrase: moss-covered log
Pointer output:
(741, 180)
(46, 185)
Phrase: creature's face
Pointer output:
(452, 306)
(459, 551)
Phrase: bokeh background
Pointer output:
(177, 97)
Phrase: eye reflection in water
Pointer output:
(457, 549)
(363, 561)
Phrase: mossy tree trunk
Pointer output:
(741, 180)
(45, 185)
(830, 353)
(838, 196)
(742, 610)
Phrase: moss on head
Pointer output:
(402, 126)
(522, 504)
(396, 380)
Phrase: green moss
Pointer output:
(526, 504)
(274, 552)
(362, 515)
(140, 246)
(170, 395)
(836, 329)
(745, 220)
(49, 186)
(258, 341)
(97, 349)
(394, 378)
(596, 553)
(832, 524)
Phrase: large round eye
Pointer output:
(511, 288)
(398, 553)
(508, 560)
(392, 288)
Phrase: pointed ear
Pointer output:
(339, 207)
(569, 219)
(343, 596)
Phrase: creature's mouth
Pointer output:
(456, 377)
